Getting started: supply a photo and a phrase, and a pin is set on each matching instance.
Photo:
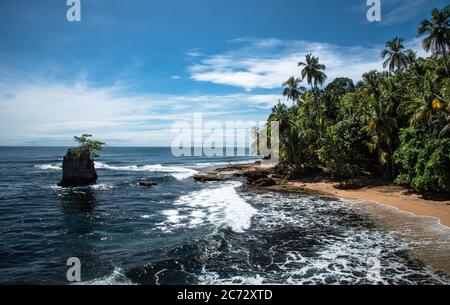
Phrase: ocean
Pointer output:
(183, 232)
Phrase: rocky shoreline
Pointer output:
(265, 177)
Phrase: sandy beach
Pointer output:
(392, 195)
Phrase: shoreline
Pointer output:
(390, 195)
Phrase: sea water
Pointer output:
(183, 232)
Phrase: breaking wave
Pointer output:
(178, 172)
(222, 206)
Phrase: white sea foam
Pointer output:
(178, 172)
(224, 163)
(115, 278)
(100, 186)
(344, 249)
(49, 166)
(222, 206)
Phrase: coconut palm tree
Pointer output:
(292, 89)
(423, 107)
(380, 129)
(444, 122)
(394, 55)
(280, 114)
(412, 57)
(313, 71)
(437, 31)
(371, 82)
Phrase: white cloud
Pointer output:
(53, 112)
(267, 63)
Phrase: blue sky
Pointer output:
(130, 69)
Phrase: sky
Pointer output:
(130, 69)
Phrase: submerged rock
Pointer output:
(147, 183)
(78, 169)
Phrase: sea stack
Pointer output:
(78, 169)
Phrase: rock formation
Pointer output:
(207, 178)
(147, 183)
(78, 169)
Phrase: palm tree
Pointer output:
(423, 107)
(389, 92)
(279, 114)
(254, 134)
(412, 57)
(371, 82)
(396, 58)
(437, 31)
(380, 128)
(445, 122)
(313, 71)
(292, 89)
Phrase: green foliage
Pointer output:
(346, 128)
(424, 159)
(88, 146)
(342, 151)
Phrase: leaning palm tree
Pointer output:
(394, 55)
(437, 31)
(313, 71)
(292, 89)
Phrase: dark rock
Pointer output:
(206, 178)
(264, 182)
(78, 169)
(255, 175)
(267, 157)
(282, 171)
(259, 178)
(147, 183)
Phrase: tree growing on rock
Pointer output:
(88, 146)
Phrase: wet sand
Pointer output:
(391, 195)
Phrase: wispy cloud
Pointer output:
(399, 11)
(267, 63)
(52, 112)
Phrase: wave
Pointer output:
(115, 278)
(309, 240)
(224, 163)
(221, 206)
(99, 186)
(49, 166)
(178, 172)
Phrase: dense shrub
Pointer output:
(343, 152)
(424, 160)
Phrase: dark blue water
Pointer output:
(182, 232)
